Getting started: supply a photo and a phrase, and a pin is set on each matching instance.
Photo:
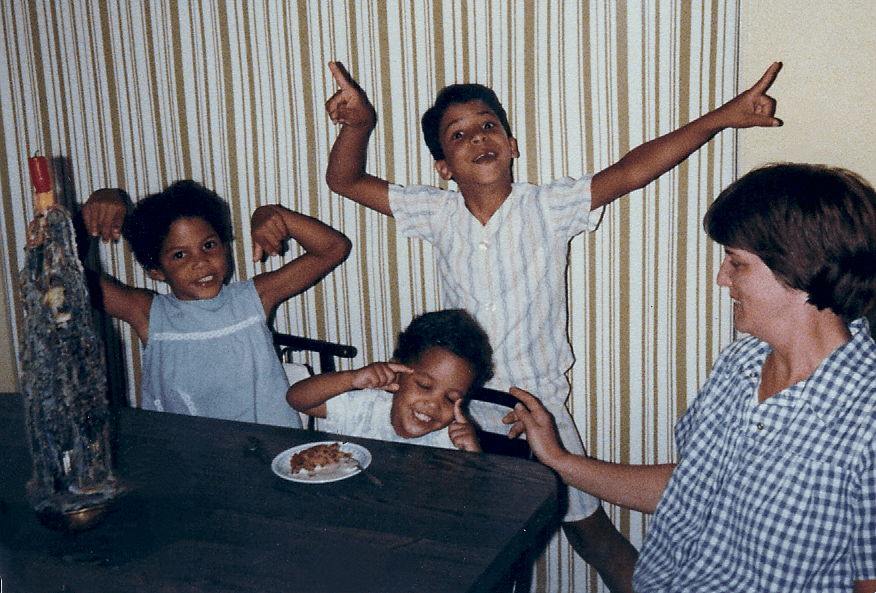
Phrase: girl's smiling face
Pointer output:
(760, 301)
(194, 262)
(426, 397)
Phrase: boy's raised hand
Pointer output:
(349, 105)
(462, 433)
(754, 108)
(379, 375)
(104, 213)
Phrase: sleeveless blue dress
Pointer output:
(215, 358)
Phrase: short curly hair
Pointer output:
(813, 226)
(454, 95)
(149, 223)
(454, 330)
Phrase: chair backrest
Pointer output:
(496, 443)
(287, 344)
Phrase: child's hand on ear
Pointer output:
(104, 213)
(349, 105)
(462, 433)
(379, 375)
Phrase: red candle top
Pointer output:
(39, 173)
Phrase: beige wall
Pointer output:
(827, 88)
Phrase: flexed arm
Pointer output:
(645, 163)
(103, 215)
(346, 174)
(324, 249)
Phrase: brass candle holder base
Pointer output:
(72, 512)
(74, 520)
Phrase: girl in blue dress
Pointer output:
(208, 350)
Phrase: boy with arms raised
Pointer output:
(502, 246)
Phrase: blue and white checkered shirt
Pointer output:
(772, 496)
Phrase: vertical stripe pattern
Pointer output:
(139, 93)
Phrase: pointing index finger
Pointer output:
(399, 368)
(766, 81)
(341, 76)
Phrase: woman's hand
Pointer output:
(530, 416)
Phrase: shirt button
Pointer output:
(759, 426)
(484, 245)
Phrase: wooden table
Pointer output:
(202, 513)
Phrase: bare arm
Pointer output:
(637, 487)
(865, 587)
(324, 249)
(103, 215)
(309, 395)
(345, 174)
(644, 164)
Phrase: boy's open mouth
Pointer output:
(422, 417)
(206, 279)
(485, 157)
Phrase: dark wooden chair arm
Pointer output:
(327, 351)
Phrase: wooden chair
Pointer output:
(326, 352)
(287, 344)
(519, 577)
(496, 443)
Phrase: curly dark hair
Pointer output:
(454, 95)
(454, 330)
(814, 226)
(149, 223)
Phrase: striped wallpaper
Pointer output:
(139, 93)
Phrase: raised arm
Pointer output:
(647, 162)
(637, 487)
(345, 174)
(324, 249)
(102, 217)
(309, 395)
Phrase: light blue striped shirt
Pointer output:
(510, 274)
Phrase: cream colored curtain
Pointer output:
(138, 93)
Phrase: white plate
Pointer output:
(332, 473)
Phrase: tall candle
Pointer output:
(44, 196)
(39, 174)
